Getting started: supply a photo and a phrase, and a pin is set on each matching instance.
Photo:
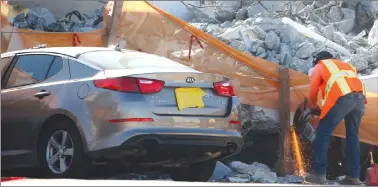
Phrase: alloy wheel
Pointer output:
(59, 152)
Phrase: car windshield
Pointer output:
(129, 60)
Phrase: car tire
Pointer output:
(198, 172)
(72, 163)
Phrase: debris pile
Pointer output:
(290, 33)
(41, 19)
(257, 121)
(253, 173)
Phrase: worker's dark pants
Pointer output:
(351, 108)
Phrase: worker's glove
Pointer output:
(316, 111)
(310, 111)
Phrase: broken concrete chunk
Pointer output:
(268, 24)
(290, 35)
(374, 72)
(214, 29)
(264, 177)
(237, 44)
(86, 29)
(260, 52)
(314, 28)
(201, 26)
(373, 34)
(45, 15)
(19, 18)
(260, 166)
(32, 19)
(335, 14)
(56, 27)
(348, 23)
(231, 34)
(241, 14)
(358, 62)
(328, 31)
(340, 39)
(238, 23)
(260, 33)
(220, 172)
(319, 46)
(249, 21)
(367, 54)
(255, 44)
(238, 179)
(366, 71)
(272, 41)
(273, 59)
(285, 54)
(226, 24)
(241, 167)
(223, 14)
(305, 50)
(365, 15)
(300, 65)
(21, 25)
(255, 9)
(200, 16)
(374, 55)
(290, 179)
(100, 25)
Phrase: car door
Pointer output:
(26, 92)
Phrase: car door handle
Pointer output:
(42, 94)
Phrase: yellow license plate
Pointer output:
(189, 98)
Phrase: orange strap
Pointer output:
(74, 39)
(192, 37)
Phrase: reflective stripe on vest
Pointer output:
(338, 77)
(363, 85)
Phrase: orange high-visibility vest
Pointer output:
(340, 78)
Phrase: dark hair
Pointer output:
(322, 56)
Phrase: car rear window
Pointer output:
(129, 60)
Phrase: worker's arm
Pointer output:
(316, 80)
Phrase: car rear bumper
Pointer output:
(182, 145)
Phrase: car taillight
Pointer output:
(225, 88)
(130, 84)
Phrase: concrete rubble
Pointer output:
(41, 19)
(257, 121)
(286, 32)
(251, 173)
(347, 29)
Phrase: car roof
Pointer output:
(68, 51)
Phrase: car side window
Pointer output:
(29, 69)
(4, 63)
(55, 67)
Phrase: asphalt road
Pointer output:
(73, 182)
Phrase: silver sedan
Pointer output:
(64, 108)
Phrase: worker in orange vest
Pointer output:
(343, 97)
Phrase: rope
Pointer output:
(192, 37)
(74, 39)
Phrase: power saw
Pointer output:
(304, 123)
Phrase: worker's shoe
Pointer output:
(316, 179)
(350, 181)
